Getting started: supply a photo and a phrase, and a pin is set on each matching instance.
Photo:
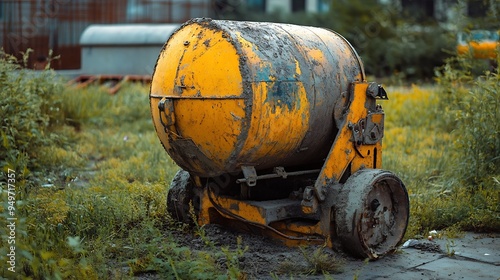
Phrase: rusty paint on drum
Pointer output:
(226, 94)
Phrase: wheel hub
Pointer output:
(372, 213)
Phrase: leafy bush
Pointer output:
(478, 131)
(422, 149)
(30, 113)
(472, 107)
(29, 105)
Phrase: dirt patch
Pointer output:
(422, 245)
(264, 256)
(428, 246)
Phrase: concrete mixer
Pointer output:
(277, 131)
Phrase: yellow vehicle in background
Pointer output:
(482, 44)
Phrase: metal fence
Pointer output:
(56, 25)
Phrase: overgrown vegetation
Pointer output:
(472, 104)
(90, 185)
(29, 106)
(445, 145)
(91, 175)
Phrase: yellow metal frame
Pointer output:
(345, 150)
(349, 153)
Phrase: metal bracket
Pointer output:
(369, 130)
(250, 175)
(309, 203)
(376, 91)
(374, 130)
(357, 130)
(280, 171)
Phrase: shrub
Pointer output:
(443, 143)
(472, 107)
(29, 105)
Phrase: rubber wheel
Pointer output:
(372, 212)
(180, 196)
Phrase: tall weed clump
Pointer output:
(470, 102)
(426, 145)
(30, 116)
(29, 105)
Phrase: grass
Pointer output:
(419, 149)
(91, 189)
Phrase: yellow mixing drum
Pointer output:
(270, 123)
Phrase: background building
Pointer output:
(57, 25)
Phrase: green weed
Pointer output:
(449, 248)
(29, 106)
(444, 144)
(320, 261)
(317, 261)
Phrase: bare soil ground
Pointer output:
(473, 256)
(263, 256)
